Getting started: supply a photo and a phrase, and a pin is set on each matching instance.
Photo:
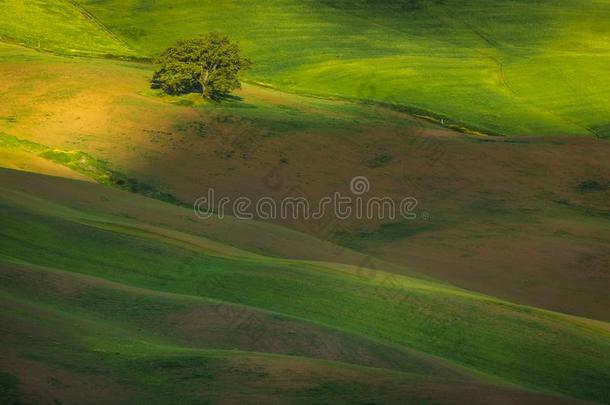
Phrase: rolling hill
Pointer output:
(155, 301)
(507, 216)
(493, 115)
(507, 67)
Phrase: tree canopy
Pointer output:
(209, 64)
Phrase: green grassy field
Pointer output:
(496, 293)
(508, 67)
(480, 333)
(58, 26)
(503, 210)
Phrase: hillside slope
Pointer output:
(524, 219)
(59, 26)
(481, 333)
(71, 347)
(112, 289)
(509, 67)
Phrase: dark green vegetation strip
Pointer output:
(9, 392)
(84, 163)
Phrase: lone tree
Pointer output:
(208, 64)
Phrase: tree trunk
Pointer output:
(204, 82)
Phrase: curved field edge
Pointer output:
(515, 343)
(122, 364)
(127, 334)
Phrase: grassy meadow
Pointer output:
(494, 337)
(484, 194)
(58, 26)
(494, 115)
(507, 67)
(471, 64)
